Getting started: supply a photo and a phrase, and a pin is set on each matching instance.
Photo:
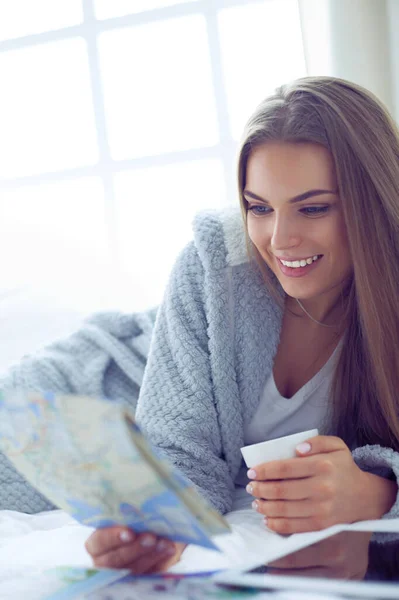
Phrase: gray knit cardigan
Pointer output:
(212, 350)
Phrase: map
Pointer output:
(58, 583)
(89, 457)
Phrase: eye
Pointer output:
(314, 211)
(259, 211)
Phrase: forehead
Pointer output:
(295, 167)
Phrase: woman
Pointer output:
(235, 361)
(303, 336)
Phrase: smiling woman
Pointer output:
(280, 322)
(315, 347)
(333, 135)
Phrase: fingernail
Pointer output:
(249, 488)
(147, 541)
(255, 505)
(251, 474)
(162, 545)
(126, 536)
(304, 447)
(165, 546)
(265, 520)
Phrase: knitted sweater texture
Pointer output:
(211, 353)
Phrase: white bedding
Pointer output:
(53, 538)
(47, 539)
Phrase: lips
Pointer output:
(298, 271)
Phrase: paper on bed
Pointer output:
(89, 457)
(251, 544)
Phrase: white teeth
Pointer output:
(299, 263)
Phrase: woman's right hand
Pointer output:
(121, 548)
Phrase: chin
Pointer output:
(297, 291)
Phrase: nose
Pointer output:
(285, 233)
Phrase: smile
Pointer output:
(302, 262)
(300, 267)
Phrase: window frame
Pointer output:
(107, 167)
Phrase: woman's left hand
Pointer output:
(322, 486)
(342, 556)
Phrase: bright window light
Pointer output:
(50, 230)
(116, 130)
(46, 118)
(155, 208)
(159, 98)
(262, 48)
(107, 9)
(26, 17)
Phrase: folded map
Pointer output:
(89, 457)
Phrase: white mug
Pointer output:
(278, 449)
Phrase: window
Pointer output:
(120, 120)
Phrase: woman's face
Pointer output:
(295, 215)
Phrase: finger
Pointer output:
(286, 526)
(151, 569)
(286, 508)
(165, 563)
(291, 489)
(106, 539)
(321, 444)
(157, 562)
(291, 468)
(126, 554)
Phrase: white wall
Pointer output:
(356, 40)
(393, 24)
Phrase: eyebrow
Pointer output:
(299, 198)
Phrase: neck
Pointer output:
(327, 309)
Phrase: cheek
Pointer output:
(258, 233)
(251, 229)
(343, 249)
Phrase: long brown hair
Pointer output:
(363, 141)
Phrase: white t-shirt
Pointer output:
(277, 416)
